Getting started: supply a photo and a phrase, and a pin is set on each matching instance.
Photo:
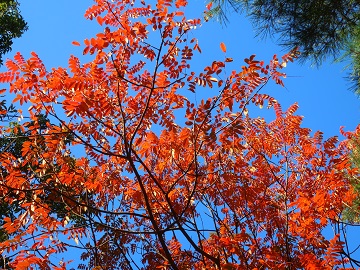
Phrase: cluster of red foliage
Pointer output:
(163, 182)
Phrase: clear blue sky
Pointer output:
(323, 95)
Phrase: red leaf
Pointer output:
(223, 47)
(100, 20)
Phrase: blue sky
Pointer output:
(323, 95)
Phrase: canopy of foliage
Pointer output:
(12, 25)
(157, 179)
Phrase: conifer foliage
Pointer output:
(12, 25)
(155, 179)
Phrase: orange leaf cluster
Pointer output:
(130, 167)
